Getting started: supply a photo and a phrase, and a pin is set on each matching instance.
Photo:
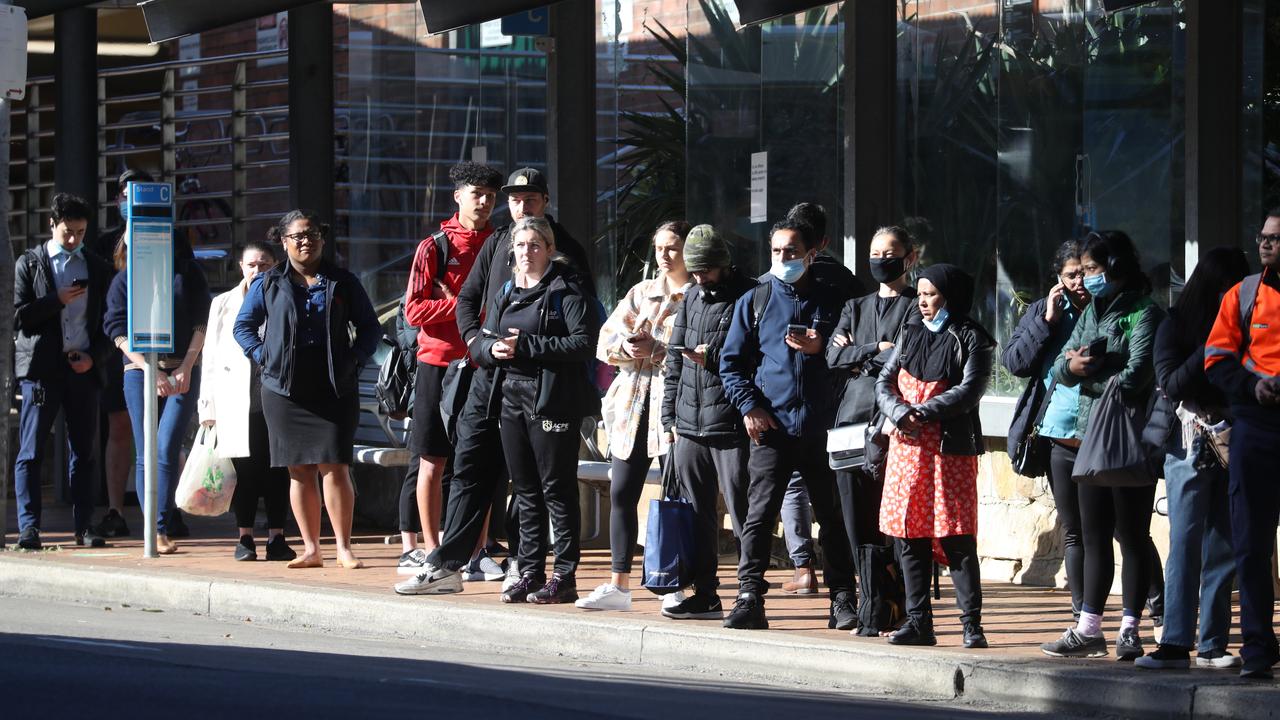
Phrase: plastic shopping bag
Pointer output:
(669, 539)
(207, 481)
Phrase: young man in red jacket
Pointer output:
(431, 306)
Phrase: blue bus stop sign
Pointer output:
(536, 22)
(149, 231)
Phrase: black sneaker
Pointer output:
(912, 634)
(30, 539)
(279, 550)
(1073, 644)
(177, 526)
(747, 613)
(519, 591)
(1129, 645)
(974, 637)
(246, 549)
(113, 525)
(1258, 668)
(1166, 657)
(90, 538)
(558, 590)
(844, 612)
(699, 606)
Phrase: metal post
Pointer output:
(6, 317)
(571, 115)
(76, 120)
(311, 111)
(150, 454)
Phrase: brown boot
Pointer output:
(804, 582)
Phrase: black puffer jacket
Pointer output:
(1033, 344)
(859, 363)
(693, 399)
(957, 406)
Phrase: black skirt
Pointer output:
(312, 426)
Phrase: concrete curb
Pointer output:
(1082, 688)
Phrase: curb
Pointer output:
(1076, 687)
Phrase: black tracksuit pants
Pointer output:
(915, 555)
(1255, 510)
(770, 466)
(699, 463)
(255, 478)
(860, 494)
(542, 458)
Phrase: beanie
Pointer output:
(704, 250)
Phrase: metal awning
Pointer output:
(751, 12)
(172, 19)
(446, 15)
(40, 8)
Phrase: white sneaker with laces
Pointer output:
(492, 569)
(412, 562)
(672, 600)
(606, 597)
(1225, 661)
(513, 575)
(431, 581)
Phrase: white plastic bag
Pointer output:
(207, 481)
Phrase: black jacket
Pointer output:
(191, 301)
(271, 301)
(492, 270)
(858, 364)
(562, 348)
(1032, 344)
(957, 406)
(693, 399)
(1180, 377)
(831, 272)
(38, 316)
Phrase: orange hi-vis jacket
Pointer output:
(1242, 350)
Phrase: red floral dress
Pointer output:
(927, 494)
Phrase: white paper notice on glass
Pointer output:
(759, 187)
(13, 52)
(150, 286)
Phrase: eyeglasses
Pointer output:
(1264, 239)
(312, 235)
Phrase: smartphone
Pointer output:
(793, 329)
(1098, 348)
(80, 283)
(489, 333)
(678, 348)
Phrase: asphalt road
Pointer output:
(77, 661)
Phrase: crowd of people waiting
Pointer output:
(732, 383)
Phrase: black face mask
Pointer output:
(886, 270)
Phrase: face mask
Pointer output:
(939, 319)
(886, 270)
(1097, 285)
(788, 271)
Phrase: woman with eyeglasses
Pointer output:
(296, 323)
(178, 380)
(1113, 339)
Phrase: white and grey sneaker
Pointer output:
(513, 575)
(606, 597)
(672, 599)
(431, 581)
(1218, 661)
(412, 562)
(482, 568)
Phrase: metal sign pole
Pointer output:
(150, 422)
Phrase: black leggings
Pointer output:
(860, 506)
(916, 558)
(1125, 514)
(255, 478)
(1066, 496)
(626, 483)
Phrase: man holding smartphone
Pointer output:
(59, 353)
(775, 373)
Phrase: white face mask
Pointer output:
(789, 271)
(939, 320)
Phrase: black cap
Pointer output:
(526, 180)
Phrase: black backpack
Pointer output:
(394, 390)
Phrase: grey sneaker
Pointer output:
(412, 562)
(482, 568)
(1165, 657)
(1221, 660)
(1073, 644)
(1129, 645)
(513, 575)
(431, 581)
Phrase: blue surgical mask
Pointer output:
(939, 320)
(788, 271)
(1097, 285)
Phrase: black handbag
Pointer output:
(1112, 454)
(882, 599)
(394, 388)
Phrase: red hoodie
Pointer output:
(439, 341)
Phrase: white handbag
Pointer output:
(846, 445)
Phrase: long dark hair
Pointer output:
(1197, 306)
(1115, 252)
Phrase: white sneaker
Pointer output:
(412, 562)
(672, 600)
(512, 575)
(1225, 661)
(432, 581)
(606, 597)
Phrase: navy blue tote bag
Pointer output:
(668, 544)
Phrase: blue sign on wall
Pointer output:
(535, 22)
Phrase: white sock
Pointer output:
(1128, 622)
(1090, 625)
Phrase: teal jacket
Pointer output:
(1128, 322)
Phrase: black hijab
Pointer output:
(930, 356)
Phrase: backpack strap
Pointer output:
(1248, 299)
(759, 301)
(441, 239)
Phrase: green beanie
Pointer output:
(704, 250)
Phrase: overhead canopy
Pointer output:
(40, 8)
(751, 12)
(446, 15)
(170, 19)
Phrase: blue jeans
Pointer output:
(174, 413)
(797, 522)
(1201, 566)
(77, 397)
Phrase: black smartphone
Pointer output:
(793, 329)
(80, 283)
(678, 348)
(489, 333)
(1098, 348)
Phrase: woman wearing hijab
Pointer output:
(929, 391)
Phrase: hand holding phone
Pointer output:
(80, 282)
(1098, 348)
(800, 330)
